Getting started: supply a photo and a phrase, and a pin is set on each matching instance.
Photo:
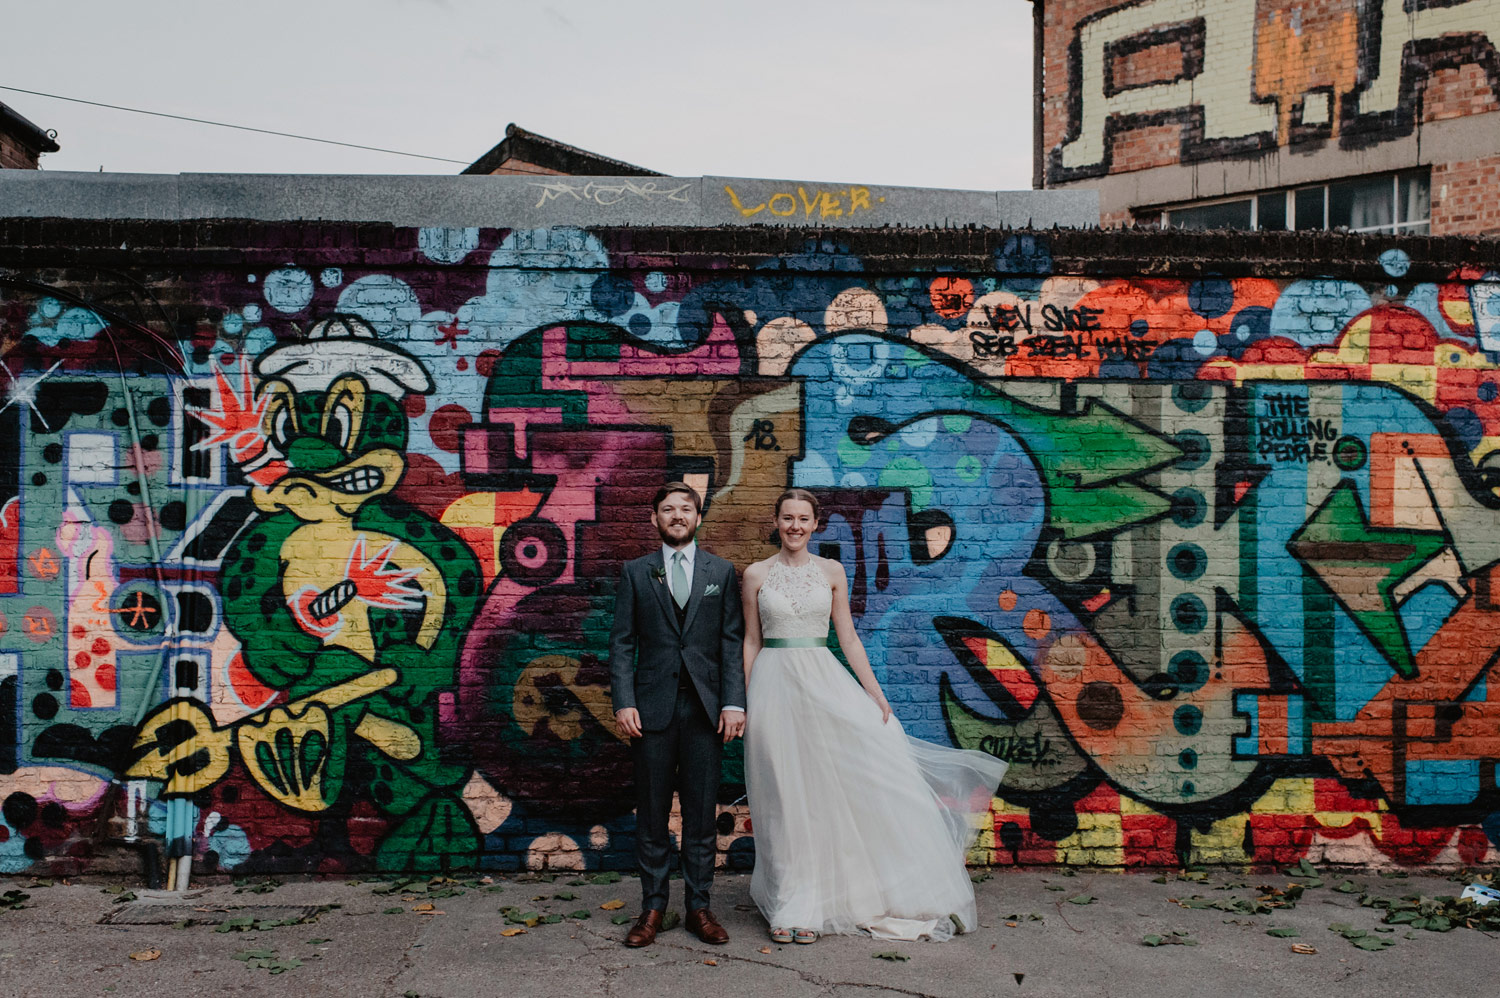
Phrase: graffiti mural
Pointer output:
(1236, 77)
(326, 549)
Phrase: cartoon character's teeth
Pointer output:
(358, 481)
(332, 600)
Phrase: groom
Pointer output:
(679, 694)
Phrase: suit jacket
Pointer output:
(649, 650)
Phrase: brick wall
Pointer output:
(315, 528)
(16, 155)
(1466, 196)
(1141, 86)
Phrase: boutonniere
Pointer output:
(712, 589)
(659, 574)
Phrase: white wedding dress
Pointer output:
(858, 827)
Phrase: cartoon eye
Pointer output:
(337, 424)
(343, 412)
(281, 428)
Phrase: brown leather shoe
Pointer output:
(643, 932)
(705, 926)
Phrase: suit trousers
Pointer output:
(683, 757)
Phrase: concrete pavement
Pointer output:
(1033, 940)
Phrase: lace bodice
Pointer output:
(794, 602)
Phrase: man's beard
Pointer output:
(671, 541)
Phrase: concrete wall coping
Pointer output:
(530, 201)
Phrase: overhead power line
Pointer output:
(243, 128)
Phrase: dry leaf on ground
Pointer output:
(614, 905)
(146, 954)
(513, 932)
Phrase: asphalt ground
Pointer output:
(1040, 933)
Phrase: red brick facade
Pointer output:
(1228, 97)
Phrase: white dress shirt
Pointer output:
(688, 554)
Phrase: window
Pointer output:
(1393, 202)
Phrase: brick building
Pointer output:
(21, 142)
(1377, 116)
(523, 152)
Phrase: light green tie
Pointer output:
(679, 581)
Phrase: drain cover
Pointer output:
(156, 913)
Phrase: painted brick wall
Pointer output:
(1143, 85)
(313, 529)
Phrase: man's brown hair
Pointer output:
(683, 487)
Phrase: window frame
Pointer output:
(1421, 226)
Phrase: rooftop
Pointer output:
(551, 156)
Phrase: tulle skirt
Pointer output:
(858, 827)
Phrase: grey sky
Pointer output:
(933, 93)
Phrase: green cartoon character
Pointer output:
(351, 601)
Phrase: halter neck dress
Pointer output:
(859, 828)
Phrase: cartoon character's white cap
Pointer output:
(339, 345)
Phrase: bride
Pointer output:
(858, 827)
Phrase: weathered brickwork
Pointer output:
(1239, 76)
(14, 155)
(1466, 196)
(314, 528)
(1154, 84)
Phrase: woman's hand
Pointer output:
(880, 701)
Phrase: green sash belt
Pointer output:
(796, 642)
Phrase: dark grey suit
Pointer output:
(678, 668)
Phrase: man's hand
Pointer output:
(629, 722)
(731, 724)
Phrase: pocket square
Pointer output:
(712, 589)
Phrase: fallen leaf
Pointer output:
(318, 942)
(620, 920)
(429, 906)
(1011, 925)
(1375, 943)
(1081, 899)
(146, 954)
(891, 955)
(517, 931)
(710, 963)
(765, 949)
(581, 913)
(565, 896)
(614, 905)
(1152, 940)
(1304, 949)
(1283, 933)
(395, 911)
